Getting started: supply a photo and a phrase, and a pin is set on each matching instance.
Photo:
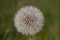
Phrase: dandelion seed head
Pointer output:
(29, 20)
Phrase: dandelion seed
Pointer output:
(29, 20)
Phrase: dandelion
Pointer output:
(29, 20)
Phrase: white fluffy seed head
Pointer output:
(29, 20)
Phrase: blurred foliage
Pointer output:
(50, 9)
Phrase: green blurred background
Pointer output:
(51, 12)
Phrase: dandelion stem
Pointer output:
(30, 37)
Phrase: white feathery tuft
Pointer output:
(29, 20)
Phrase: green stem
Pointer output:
(30, 37)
